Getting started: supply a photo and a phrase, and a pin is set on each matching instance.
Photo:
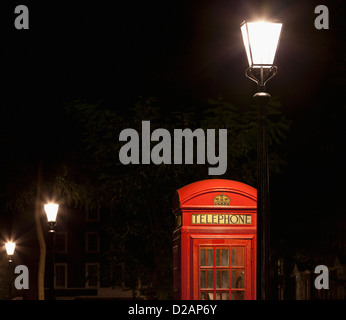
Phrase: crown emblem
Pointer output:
(221, 200)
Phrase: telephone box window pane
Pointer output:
(210, 257)
(224, 257)
(202, 278)
(202, 257)
(237, 279)
(225, 279)
(237, 295)
(210, 279)
(207, 295)
(222, 277)
(222, 296)
(221, 257)
(207, 279)
(237, 257)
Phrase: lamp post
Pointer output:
(51, 212)
(261, 40)
(10, 247)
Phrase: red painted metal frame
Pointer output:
(197, 198)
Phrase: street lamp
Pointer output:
(10, 247)
(261, 40)
(51, 212)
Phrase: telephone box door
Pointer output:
(222, 269)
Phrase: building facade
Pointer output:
(83, 267)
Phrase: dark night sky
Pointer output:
(184, 47)
(177, 50)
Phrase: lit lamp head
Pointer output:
(51, 212)
(261, 41)
(10, 246)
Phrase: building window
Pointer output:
(92, 242)
(60, 275)
(92, 274)
(61, 242)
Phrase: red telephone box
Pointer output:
(214, 242)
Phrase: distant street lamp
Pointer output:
(51, 212)
(10, 247)
(261, 40)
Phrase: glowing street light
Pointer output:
(261, 41)
(10, 246)
(51, 211)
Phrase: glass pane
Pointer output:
(260, 33)
(225, 279)
(222, 296)
(210, 257)
(210, 295)
(224, 257)
(237, 257)
(222, 279)
(237, 278)
(207, 295)
(202, 278)
(210, 279)
(221, 257)
(225, 296)
(202, 254)
(217, 258)
(238, 295)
